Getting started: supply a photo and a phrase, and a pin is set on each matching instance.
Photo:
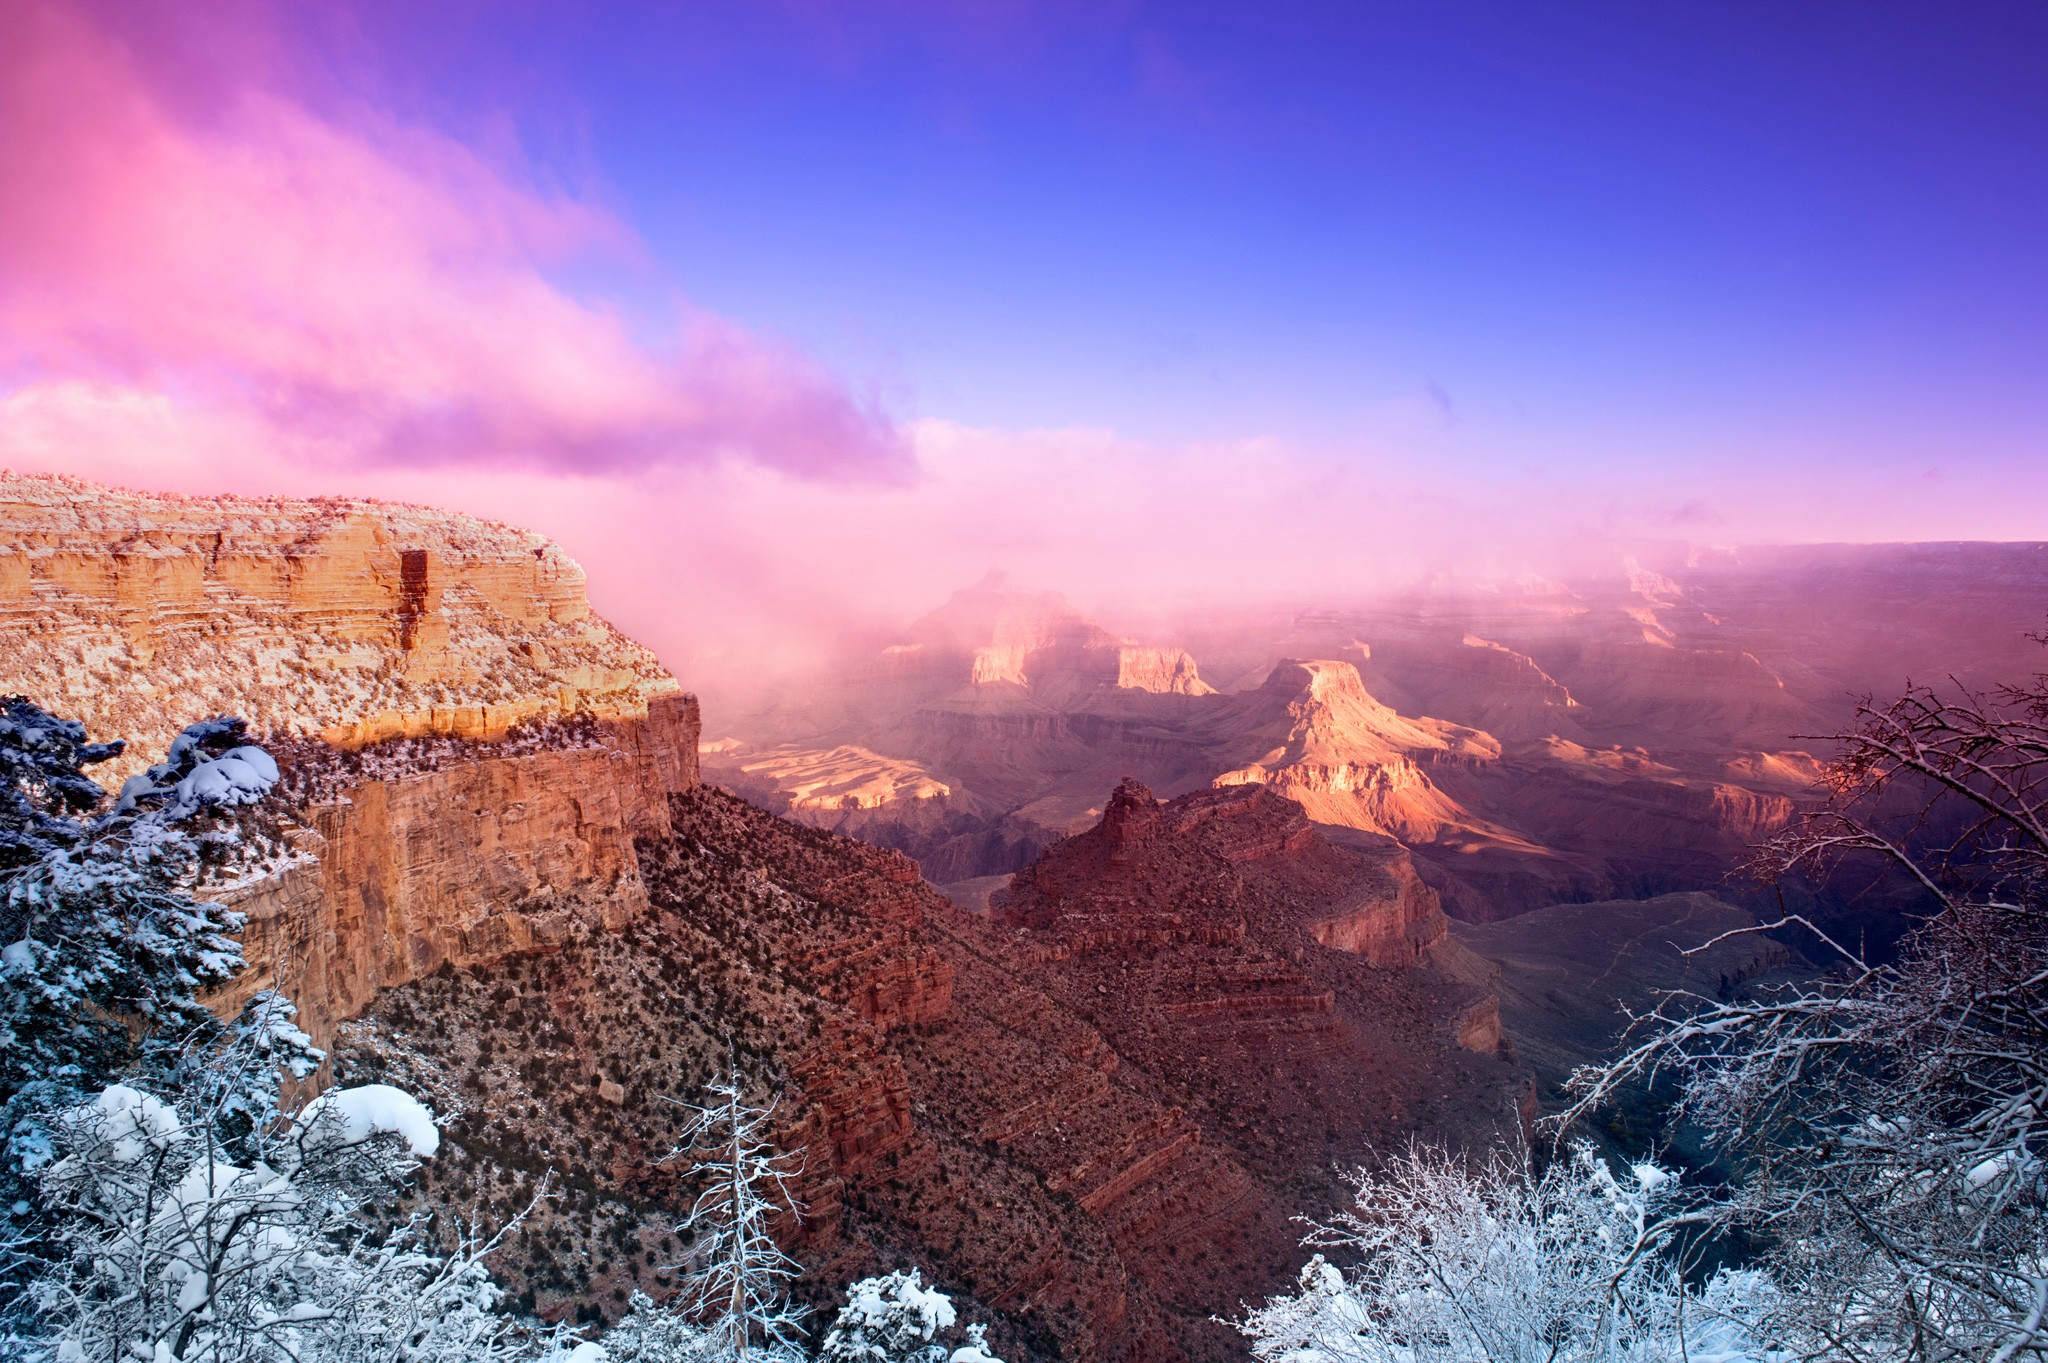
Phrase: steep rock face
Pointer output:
(491, 853)
(369, 644)
(353, 621)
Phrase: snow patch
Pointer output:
(354, 1115)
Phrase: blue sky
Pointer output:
(1497, 234)
(788, 314)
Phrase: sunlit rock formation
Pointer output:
(1348, 759)
(348, 620)
(369, 644)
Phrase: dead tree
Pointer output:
(1886, 1122)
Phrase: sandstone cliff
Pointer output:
(349, 620)
(370, 644)
(456, 857)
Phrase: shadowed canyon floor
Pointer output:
(1568, 975)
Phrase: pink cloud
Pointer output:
(371, 292)
(206, 286)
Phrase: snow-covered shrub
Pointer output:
(167, 1244)
(650, 1332)
(1890, 1121)
(162, 1202)
(897, 1319)
(1448, 1262)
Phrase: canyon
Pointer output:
(1079, 963)
(1625, 733)
(509, 888)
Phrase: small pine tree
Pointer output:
(43, 785)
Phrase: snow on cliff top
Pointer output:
(342, 618)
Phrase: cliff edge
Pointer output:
(470, 751)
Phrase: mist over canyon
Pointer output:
(1631, 731)
(1083, 963)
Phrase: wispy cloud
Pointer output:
(352, 289)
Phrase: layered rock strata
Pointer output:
(349, 620)
(495, 850)
(470, 752)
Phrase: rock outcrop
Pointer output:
(1164, 671)
(1347, 758)
(490, 851)
(1215, 867)
(470, 751)
(352, 621)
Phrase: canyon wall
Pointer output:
(349, 620)
(470, 752)
(506, 849)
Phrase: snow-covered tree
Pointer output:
(739, 1289)
(104, 948)
(1889, 1123)
(193, 1226)
(43, 785)
(897, 1319)
(1445, 1261)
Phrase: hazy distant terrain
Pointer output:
(1618, 735)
